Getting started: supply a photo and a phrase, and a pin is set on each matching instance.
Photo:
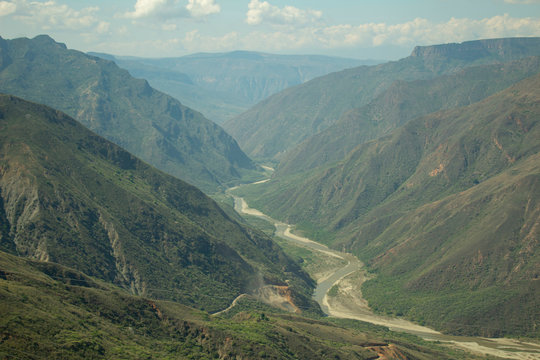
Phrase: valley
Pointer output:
(346, 209)
(347, 302)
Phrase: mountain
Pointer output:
(51, 311)
(127, 111)
(68, 196)
(276, 125)
(223, 85)
(401, 102)
(445, 211)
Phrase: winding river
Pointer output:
(358, 310)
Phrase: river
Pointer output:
(358, 309)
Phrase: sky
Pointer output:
(374, 29)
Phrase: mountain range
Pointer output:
(70, 197)
(401, 102)
(153, 126)
(223, 85)
(102, 255)
(444, 210)
(275, 126)
(427, 169)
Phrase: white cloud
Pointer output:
(422, 31)
(263, 11)
(51, 15)
(7, 8)
(199, 8)
(321, 38)
(145, 8)
(408, 34)
(169, 9)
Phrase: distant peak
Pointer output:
(46, 39)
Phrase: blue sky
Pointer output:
(382, 29)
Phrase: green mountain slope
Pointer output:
(49, 311)
(445, 210)
(278, 124)
(222, 85)
(69, 196)
(126, 111)
(401, 102)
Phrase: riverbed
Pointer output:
(352, 306)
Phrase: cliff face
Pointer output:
(496, 49)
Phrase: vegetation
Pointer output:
(278, 124)
(443, 210)
(316, 264)
(401, 102)
(127, 111)
(71, 197)
(50, 311)
(103, 256)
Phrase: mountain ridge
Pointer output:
(443, 209)
(72, 197)
(278, 124)
(105, 98)
(402, 102)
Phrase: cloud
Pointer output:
(199, 8)
(156, 8)
(169, 9)
(144, 8)
(7, 8)
(259, 12)
(408, 34)
(51, 15)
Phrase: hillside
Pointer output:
(445, 211)
(401, 102)
(126, 111)
(223, 85)
(276, 125)
(71, 197)
(50, 311)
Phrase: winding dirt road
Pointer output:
(352, 306)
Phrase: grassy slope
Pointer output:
(72, 197)
(125, 110)
(50, 311)
(445, 205)
(278, 124)
(401, 102)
